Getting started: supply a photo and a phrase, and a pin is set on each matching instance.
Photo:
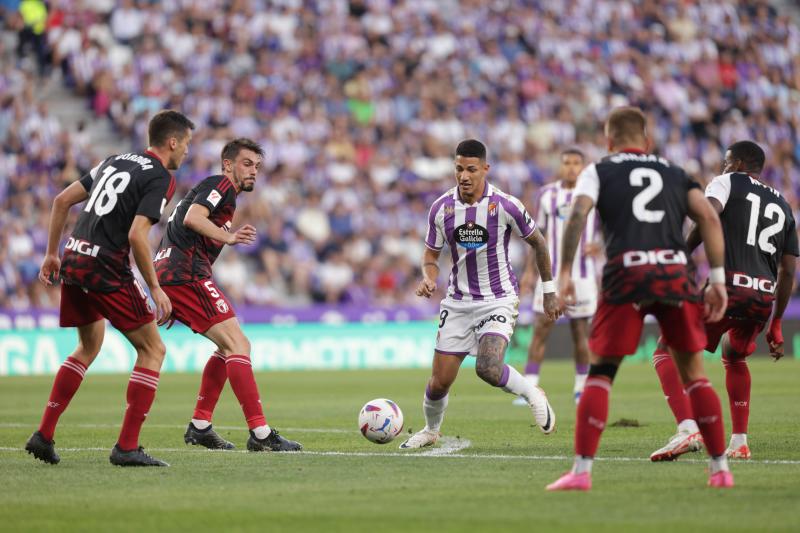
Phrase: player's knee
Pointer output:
(488, 372)
(607, 370)
(438, 387)
(153, 353)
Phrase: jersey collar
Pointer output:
(631, 151)
(488, 190)
(154, 156)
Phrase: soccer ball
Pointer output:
(380, 421)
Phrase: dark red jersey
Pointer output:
(184, 255)
(121, 187)
(642, 201)
(759, 229)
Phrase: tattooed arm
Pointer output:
(539, 245)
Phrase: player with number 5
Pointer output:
(198, 229)
(126, 195)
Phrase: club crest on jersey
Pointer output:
(214, 197)
(492, 209)
(222, 306)
(471, 236)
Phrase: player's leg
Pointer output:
(141, 393)
(66, 384)
(580, 339)
(688, 437)
(490, 367)
(737, 345)
(200, 316)
(541, 331)
(684, 332)
(434, 403)
(235, 346)
(616, 330)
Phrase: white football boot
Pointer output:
(421, 439)
(680, 443)
(542, 412)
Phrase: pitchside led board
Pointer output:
(292, 347)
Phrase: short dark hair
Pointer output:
(573, 151)
(471, 148)
(232, 149)
(750, 154)
(165, 124)
(625, 123)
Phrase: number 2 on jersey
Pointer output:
(104, 195)
(641, 200)
(771, 211)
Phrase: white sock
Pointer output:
(200, 424)
(688, 426)
(262, 432)
(533, 379)
(582, 464)
(580, 381)
(738, 439)
(434, 411)
(717, 464)
(517, 384)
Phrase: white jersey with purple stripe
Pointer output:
(478, 236)
(552, 213)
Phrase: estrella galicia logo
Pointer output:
(471, 236)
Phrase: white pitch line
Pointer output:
(424, 455)
(448, 446)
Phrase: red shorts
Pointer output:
(742, 334)
(616, 329)
(199, 304)
(126, 308)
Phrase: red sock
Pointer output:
(708, 413)
(672, 386)
(592, 415)
(214, 377)
(68, 379)
(737, 381)
(243, 383)
(141, 393)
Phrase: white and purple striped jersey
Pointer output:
(478, 237)
(552, 212)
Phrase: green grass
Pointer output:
(235, 491)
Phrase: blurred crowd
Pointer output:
(359, 105)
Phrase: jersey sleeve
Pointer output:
(211, 195)
(720, 189)
(155, 196)
(434, 237)
(588, 183)
(518, 217)
(88, 179)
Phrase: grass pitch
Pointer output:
(490, 475)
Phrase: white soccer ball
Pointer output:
(380, 420)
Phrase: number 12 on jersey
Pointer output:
(771, 211)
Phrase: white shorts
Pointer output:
(462, 324)
(585, 296)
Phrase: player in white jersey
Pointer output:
(552, 210)
(478, 314)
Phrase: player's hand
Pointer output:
(163, 306)
(551, 306)
(566, 291)
(244, 235)
(775, 339)
(426, 288)
(715, 301)
(49, 269)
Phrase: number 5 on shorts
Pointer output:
(209, 285)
